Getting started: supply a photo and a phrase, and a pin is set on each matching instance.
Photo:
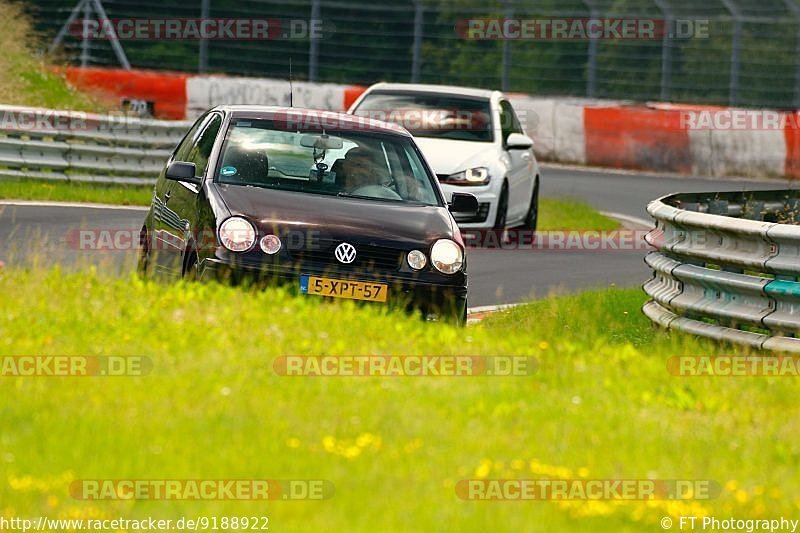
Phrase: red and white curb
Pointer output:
(476, 314)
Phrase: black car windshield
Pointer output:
(361, 164)
(431, 115)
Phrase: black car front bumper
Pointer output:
(434, 300)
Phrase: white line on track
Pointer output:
(636, 221)
(37, 203)
(490, 308)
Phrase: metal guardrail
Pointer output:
(727, 266)
(76, 146)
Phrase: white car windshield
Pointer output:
(431, 115)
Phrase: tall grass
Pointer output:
(601, 405)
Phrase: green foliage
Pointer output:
(26, 79)
(63, 191)
(601, 405)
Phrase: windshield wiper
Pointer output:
(346, 194)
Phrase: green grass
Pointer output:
(63, 191)
(569, 214)
(601, 405)
(26, 79)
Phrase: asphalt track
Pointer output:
(40, 233)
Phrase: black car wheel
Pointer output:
(190, 266)
(143, 264)
(502, 209)
(533, 211)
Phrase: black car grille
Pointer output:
(370, 258)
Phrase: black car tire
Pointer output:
(502, 209)
(190, 266)
(533, 210)
(143, 262)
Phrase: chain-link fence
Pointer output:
(737, 52)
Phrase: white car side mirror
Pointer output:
(518, 141)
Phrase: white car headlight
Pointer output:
(471, 176)
(417, 260)
(447, 256)
(237, 234)
(270, 244)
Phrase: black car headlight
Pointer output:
(447, 256)
(237, 234)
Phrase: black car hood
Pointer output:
(363, 220)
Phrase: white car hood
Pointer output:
(447, 156)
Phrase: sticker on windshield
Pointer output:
(228, 171)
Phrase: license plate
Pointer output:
(343, 288)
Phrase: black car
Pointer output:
(336, 205)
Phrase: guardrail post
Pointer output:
(202, 62)
(666, 48)
(793, 7)
(509, 14)
(87, 13)
(594, 44)
(112, 34)
(313, 43)
(416, 56)
(736, 45)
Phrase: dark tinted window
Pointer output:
(186, 144)
(508, 120)
(346, 163)
(200, 150)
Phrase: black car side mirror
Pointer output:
(180, 171)
(463, 202)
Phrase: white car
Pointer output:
(473, 140)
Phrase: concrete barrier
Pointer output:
(166, 90)
(203, 92)
(657, 137)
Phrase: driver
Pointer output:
(360, 169)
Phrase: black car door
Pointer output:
(160, 239)
(180, 202)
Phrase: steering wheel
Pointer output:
(377, 191)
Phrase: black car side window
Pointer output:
(508, 120)
(183, 148)
(200, 150)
